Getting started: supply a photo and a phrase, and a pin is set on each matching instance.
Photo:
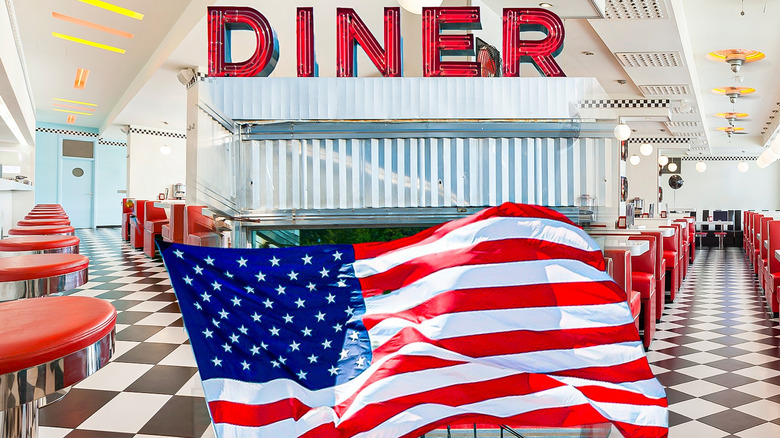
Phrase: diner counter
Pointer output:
(8, 185)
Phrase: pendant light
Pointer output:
(663, 160)
(701, 166)
(646, 149)
(622, 132)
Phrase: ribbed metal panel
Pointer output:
(346, 173)
(407, 98)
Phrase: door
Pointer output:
(77, 190)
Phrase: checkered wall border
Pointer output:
(724, 158)
(112, 143)
(625, 103)
(659, 140)
(66, 132)
(157, 133)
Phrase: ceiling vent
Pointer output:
(664, 90)
(649, 59)
(634, 9)
(690, 109)
(682, 124)
(687, 134)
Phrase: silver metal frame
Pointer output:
(20, 391)
(38, 287)
(72, 249)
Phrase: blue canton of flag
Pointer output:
(265, 315)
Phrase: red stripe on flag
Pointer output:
(637, 369)
(610, 395)
(256, 415)
(491, 252)
(518, 297)
(371, 250)
(514, 342)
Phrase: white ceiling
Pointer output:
(140, 87)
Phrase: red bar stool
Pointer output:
(42, 230)
(35, 275)
(47, 210)
(174, 230)
(643, 281)
(32, 215)
(155, 219)
(199, 229)
(38, 245)
(34, 222)
(39, 357)
(137, 224)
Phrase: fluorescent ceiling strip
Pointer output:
(81, 78)
(75, 101)
(74, 107)
(114, 8)
(72, 112)
(92, 25)
(88, 42)
(9, 121)
(71, 118)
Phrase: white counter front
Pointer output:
(16, 199)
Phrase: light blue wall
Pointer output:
(110, 172)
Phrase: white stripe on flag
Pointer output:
(486, 230)
(554, 271)
(453, 325)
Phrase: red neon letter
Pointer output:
(538, 52)
(223, 20)
(307, 66)
(435, 45)
(351, 31)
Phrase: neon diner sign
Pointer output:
(352, 32)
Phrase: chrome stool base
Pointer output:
(20, 421)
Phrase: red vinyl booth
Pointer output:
(199, 229)
(137, 224)
(745, 219)
(173, 231)
(754, 250)
(672, 260)
(762, 250)
(643, 281)
(686, 246)
(155, 218)
(660, 273)
(127, 213)
(772, 270)
(621, 267)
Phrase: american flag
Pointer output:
(503, 317)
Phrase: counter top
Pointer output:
(8, 185)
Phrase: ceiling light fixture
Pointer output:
(663, 160)
(71, 118)
(736, 57)
(734, 92)
(92, 25)
(81, 78)
(78, 108)
(701, 166)
(634, 159)
(646, 149)
(545, 5)
(731, 117)
(731, 130)
(743, 166)
(75, 101)
(165, 149)
(87, 42)
(622, 132)
(415, 6)
(114, 8)
(72, 112)
(672, 167)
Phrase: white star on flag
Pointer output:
(179, 254)
(242, 262)
(306, 259)
(274, 261)
(209, 260)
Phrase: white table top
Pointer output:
(168, 202)
(635, 247)
(777, 254)
(713, 223)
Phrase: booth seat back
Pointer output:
(154, 213)
(756, 230)
(764, 234)
(774, 245)
(199, 228)
(127, 207)
(140, 212)
(672, 243)
(659, 250)
(174, 230)
(645, 262)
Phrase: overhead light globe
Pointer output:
(743, 166)
(622, 132)
(762, 162)
(165, 149)
(672, 167)
(634, 159)
(701, 166)
(663, 160)
(646, 149)
(415, 6)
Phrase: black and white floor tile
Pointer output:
(716, 351)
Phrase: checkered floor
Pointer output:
(716, 352)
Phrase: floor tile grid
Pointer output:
(151, 387)
(716, 352)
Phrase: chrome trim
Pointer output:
(29, 385)
(73, 249)
(38, 287)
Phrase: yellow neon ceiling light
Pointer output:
(72, 112)
(87, 42)
(75, 101)
(114, 8)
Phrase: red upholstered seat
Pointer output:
(137, 224)
(39, 230)
(34, 266)
(772, 269)
(621, 267)
(660, 273)
(34, 222)
(174, 230)
(672, 260)
(635, 304)
(643, 281)
(46, 216)
(199, 228)
(127, 213)
(49, 328)
(37, 243)
(155, 219)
